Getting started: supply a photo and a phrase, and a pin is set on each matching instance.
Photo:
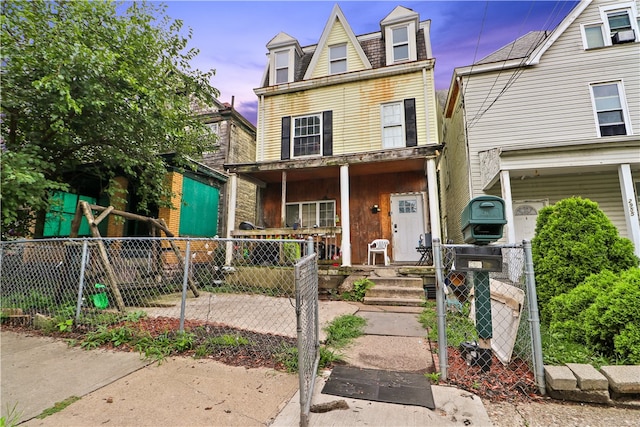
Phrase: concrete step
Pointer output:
(406, 282)
(405, 302)
(395, 292)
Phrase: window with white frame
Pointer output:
(619, 25)
(392, 125)
(310, 214)
(610, 109)
(338, 59)
(400, 44)
(282, 67)
(307, 135)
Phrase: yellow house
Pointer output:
(347, 136)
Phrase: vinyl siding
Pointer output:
(337, 35)
(602, 188)
(454, 176)
(356, 112)
(551, 101)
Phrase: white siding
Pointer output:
(602, 188)
(551, 101)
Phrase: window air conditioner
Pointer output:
(625, 36)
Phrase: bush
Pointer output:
(573, 240)
(603, 313)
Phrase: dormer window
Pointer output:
(282, 67)
(400, 44)
(400, 31)
(619, 25)
(338, 59)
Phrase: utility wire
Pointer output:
(519, 69)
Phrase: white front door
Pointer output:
(525, 215)
(407, 224)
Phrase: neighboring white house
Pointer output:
(550, 116)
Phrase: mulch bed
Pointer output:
(260, 352)
(512, 383)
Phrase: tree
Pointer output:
(573, 240)
(96, 84)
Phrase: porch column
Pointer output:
(232, 185)
(434, 204)
(345, 218)
(283, 201)
(505, 183)
(630, 206)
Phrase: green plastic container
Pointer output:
(100, 299)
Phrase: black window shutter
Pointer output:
(285, 148)
(327, 133)
(411, 132)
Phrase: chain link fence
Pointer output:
(239, 296)
(488, 319)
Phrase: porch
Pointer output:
(347, 201)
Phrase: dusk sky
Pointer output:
(232, 35)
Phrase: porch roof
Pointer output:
(374, 162)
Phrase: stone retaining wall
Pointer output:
(584, 383)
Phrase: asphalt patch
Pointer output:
(405, 388)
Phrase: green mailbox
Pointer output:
(482, 220)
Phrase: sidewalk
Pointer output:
(119, 389)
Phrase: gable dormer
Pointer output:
(284, 53)
(338, 50)
(399, 30)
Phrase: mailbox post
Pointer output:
(482, 221)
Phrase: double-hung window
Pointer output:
(619, 25)
(307, 135)
(392, 125)
(338, 59)
(282, 67)
(610, 109)
(400, 44)
(309, 214)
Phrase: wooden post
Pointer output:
(111, 276)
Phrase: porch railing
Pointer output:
(327, 239)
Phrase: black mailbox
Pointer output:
(482, 220)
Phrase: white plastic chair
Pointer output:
(378, 246)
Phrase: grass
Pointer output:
(459, 327)
(340, 332)
(343, 330)
(12, 417)
(57, 407)
(556, 350)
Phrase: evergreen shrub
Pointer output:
(573, 240)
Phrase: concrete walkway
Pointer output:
(120, 389)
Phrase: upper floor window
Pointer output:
(282, 67)
(400, 44)
(392, 125)
(610, 109)
(619, 25)
(338, 59)
(307, 135)
(309, 214)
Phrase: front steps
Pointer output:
(391, 289)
